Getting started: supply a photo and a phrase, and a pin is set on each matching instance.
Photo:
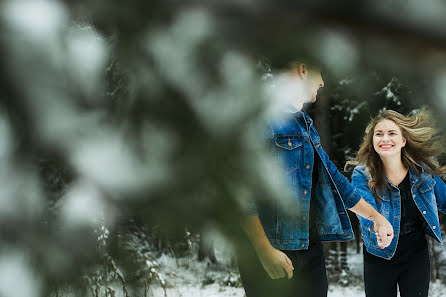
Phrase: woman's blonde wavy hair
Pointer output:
(422, 147)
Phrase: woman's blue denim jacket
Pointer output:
(429, 195)
(292, 140)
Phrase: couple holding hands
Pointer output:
(396, 191)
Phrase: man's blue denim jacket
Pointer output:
(292, 139)
(429, 195)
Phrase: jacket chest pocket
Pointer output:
(427, 190)
(383, 202)
(288, 150)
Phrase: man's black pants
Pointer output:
(309, 275)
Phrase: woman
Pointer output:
(397, 174)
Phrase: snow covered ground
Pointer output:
(187, 277)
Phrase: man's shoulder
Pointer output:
(287, 120)
(285, 123)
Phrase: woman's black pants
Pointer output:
(410, 271)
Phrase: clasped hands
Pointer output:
(383, 231)
(278, 265)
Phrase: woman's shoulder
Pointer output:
(423, 172)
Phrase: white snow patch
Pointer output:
(16, 276)
(83, 205)
(334, 47)
(87, 56)
(6, 137)
(39, 19)
(440, 86)
(346, 291)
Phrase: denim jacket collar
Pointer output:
(291, 109)
(414, 182)
(414, 178)
(308, 120)
(297, 113)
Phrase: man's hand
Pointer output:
(383, 231)
(276, 263)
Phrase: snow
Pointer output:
(440, 86)
(87, 57)
(346, 81)
(38, 19)
(355, 111)
(387, 90)
(17, 278)
(346, 292)
(190, 278)
(334, 46)
(82, 205)
(6, 136)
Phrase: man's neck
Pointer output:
(298, 105)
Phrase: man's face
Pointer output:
(297, 87)
(313, 83)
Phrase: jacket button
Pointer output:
(302, 245)
(289, 142)
(304, 218)
(424, 212)
(307, 140)
(434, 227)
(305, 192)
(307, 166)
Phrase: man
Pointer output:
(286, 235)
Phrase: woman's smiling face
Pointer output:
(388, 139)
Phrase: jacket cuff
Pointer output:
(353, 199)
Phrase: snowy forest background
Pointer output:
(129, 132)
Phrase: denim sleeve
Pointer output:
(348, 193)
(440, 193)
(360, 181)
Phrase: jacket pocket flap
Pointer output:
(427, 185)
(288, 142)
(382, 195)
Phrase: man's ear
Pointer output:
(302, 71)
